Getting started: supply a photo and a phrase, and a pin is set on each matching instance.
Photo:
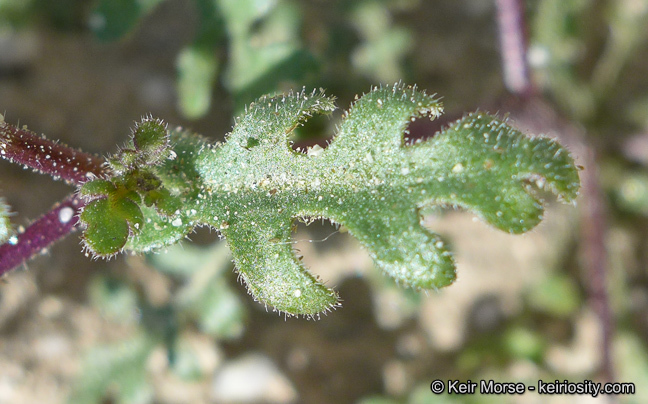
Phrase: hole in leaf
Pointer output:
(537, 187)
(423, 128)
(204, 236)
(315, 131)
(320, 232)
(328, 251)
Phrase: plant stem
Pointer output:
(513, 45)
(594, 254)
(542, 118)
(22, 146)
(537, 116)
(42, 233)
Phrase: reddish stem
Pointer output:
(594, 253)
(22, 146)
(513, 46)
(42, 233)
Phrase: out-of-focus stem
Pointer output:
(544, 119)
(513, 46)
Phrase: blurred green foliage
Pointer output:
(118, 371)
(558, 296)
(15, 12)
(205, 295)
(631, 192)
(384, 45)
(262, 38)
(113, 19)
(203, 298)
(578, 65)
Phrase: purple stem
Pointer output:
(594, 253)
(22, 146)
(513, 46)
(42, 233)
(512, 29)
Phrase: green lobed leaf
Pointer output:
(132, 187)
(254, 185)
(484, 165)
(97, 188)
(106, 230)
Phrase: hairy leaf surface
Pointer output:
(253, 186)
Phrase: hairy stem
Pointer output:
(22, 146)
(42, 233)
